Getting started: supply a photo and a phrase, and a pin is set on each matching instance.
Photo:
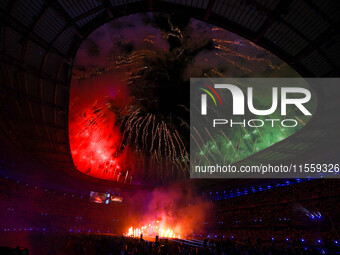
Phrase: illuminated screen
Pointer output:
(97, 197)
(116, 199)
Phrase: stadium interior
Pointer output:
(94, 99)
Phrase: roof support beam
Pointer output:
(64, 15)
(209, 9)
(22, 30)
(9, 61)
(18, 94)
(280, 8)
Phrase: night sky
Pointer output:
(129, 106)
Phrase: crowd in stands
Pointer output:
(306, 203)
(117, 245)
(279, 193)
(305, 213)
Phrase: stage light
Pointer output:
(273, 238)
(302, 240)
(319, 241)
(287, 239)
(336, 242)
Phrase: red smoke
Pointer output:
(175, 207)
(94, 139)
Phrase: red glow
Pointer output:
(155, 229)
(94, 143)
(94, 139)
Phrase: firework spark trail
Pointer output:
(162, 135)
(238, 43)
(153, 136)
(300, 120)
(258, 131)
(141, 124)
(248, 136)
(229, 52)
(216, 72)
(238, 147)
(184, 153)
(213, 141)
(235, 64)
(254, 148)
(255, 46)
(166, 140)
(145, 133)
(159, 140)
(159, 131)
(138, 124)
(199, 135)
(173, 153)
(282, 131)
(132, 60)
(228, 140)
(131, 124)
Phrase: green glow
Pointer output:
(230, 145)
